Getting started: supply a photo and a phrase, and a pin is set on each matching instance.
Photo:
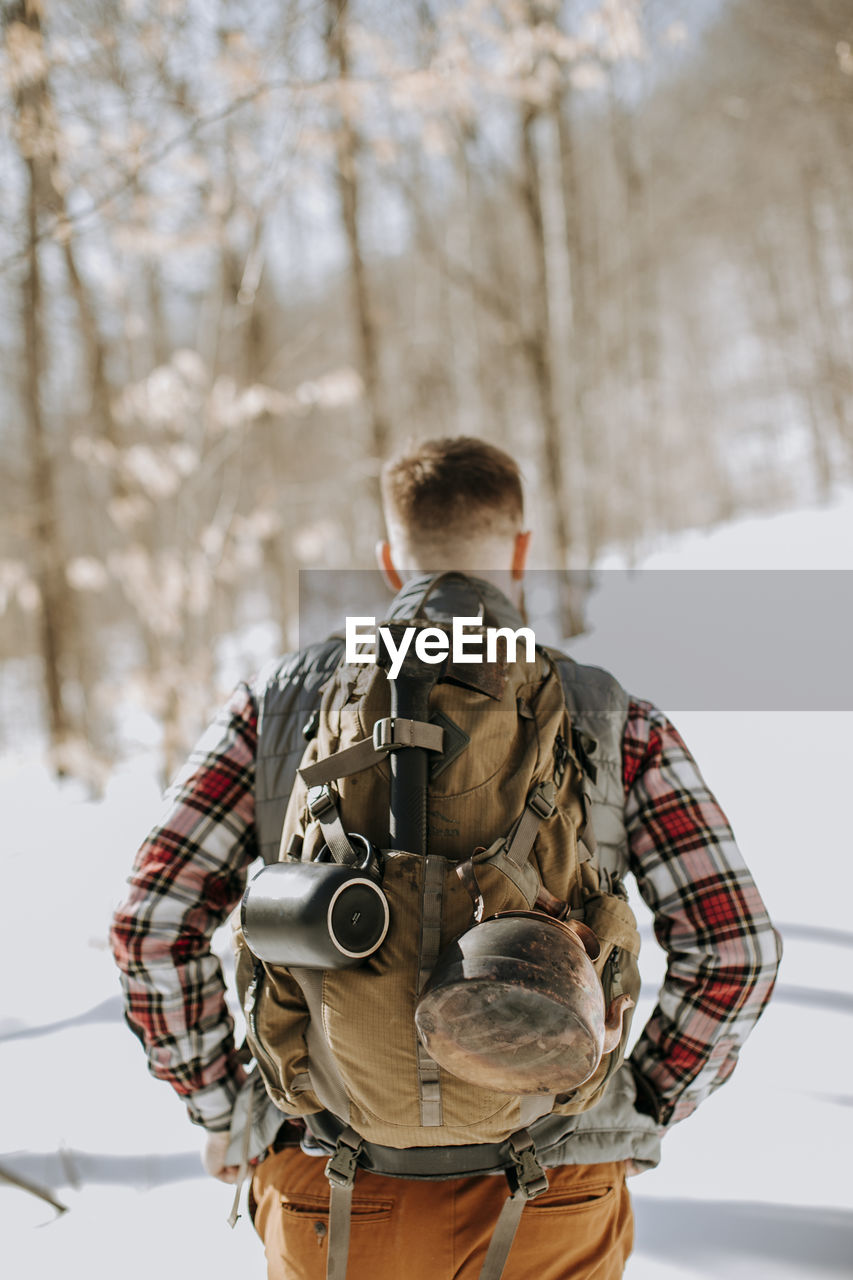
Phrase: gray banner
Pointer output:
(703, 640)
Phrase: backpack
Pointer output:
(503, 800)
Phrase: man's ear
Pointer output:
(386, 566)
(519, 554)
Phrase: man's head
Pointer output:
(453, 503)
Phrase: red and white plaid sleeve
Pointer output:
(187, 876)
(723, 952)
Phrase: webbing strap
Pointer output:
(429, 1084)
(586, 835)
(323, 808)
(540, 805)
(388, 734)
(243, 1171)
(341, 764)
(340, 1170)
(527, 1179)
(503, 1237)
(511, 856)
(399, 731)
(340, 1218)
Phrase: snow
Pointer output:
(818, 537)
(756, 1183)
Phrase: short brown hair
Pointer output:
(451, 488)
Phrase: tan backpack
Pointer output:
(505, 793)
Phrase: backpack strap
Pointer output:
(340, 1170)
(511, 857)
(527, 1179)
(388, 734)
(540, 805)
(322, 806)
(525, 1176)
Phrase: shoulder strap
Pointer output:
(289, 692)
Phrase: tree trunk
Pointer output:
(55, 620)
(47, 543)
(790, 343)
(349, 195)
(96, 356)
(491, 390)
(829, 391)
(538, 342)
(580, 350)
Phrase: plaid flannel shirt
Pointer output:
(722, 949)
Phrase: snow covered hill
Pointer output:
(756, 1184)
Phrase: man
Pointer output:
(449, 504)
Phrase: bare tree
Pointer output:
(350, 198)
(34, 140)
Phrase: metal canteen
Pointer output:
(515, 1005)
(319, 914)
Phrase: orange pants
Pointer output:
(581, 1228)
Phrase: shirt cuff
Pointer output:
(212, 1107)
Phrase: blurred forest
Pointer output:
(246, 249)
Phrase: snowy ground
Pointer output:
(756, 1184)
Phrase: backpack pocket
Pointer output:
(368, 1020)
(276, 1016)
(612, 920)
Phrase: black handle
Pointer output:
(409, 765)
(410, 768)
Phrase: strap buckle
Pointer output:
(542, 800)
(383, 734)
(393, 732)
(341, 1167)
(320, 800)
(526, 1175)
